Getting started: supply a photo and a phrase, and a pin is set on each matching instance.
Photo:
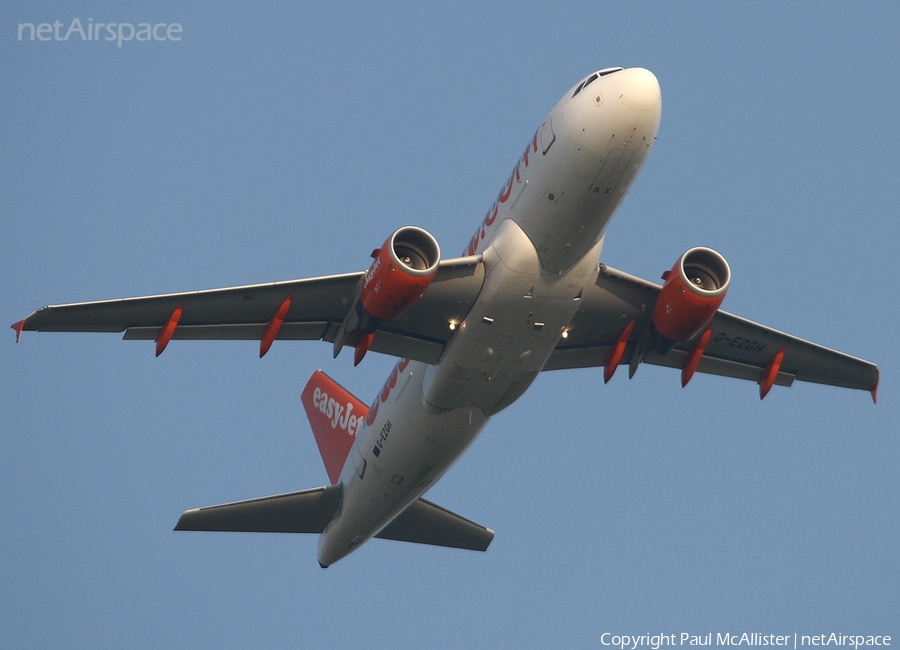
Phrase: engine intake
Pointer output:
(403, 268)
(693, 291)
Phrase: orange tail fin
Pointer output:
(336, 417)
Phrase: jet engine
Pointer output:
(693, 290)
(402, 269)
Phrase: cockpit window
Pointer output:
(585, 84)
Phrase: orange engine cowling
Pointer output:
(693, 290)
(403, 268)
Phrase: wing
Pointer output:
(315, 308)
(737, 347)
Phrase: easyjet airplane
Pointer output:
(473, 332)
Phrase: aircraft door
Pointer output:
(547, 137)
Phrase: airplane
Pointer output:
(472, 333)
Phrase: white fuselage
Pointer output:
(540, 243)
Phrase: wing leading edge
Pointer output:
(737, 347)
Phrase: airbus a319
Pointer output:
(472, 332)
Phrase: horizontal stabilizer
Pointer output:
(308, 511)
(426, 523)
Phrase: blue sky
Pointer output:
(288, 141)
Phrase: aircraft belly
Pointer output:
(405, 449)
(427, 415)
(511, 329)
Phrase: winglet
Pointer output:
(874, 392)
(18, 327)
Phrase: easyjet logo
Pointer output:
(340, 414)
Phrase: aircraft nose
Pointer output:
(638, 89)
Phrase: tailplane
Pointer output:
(310, 511)
(307, 511)
(336, 416)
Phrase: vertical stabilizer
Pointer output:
(336, 417)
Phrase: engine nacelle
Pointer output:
(693, 290)
(403, 268)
